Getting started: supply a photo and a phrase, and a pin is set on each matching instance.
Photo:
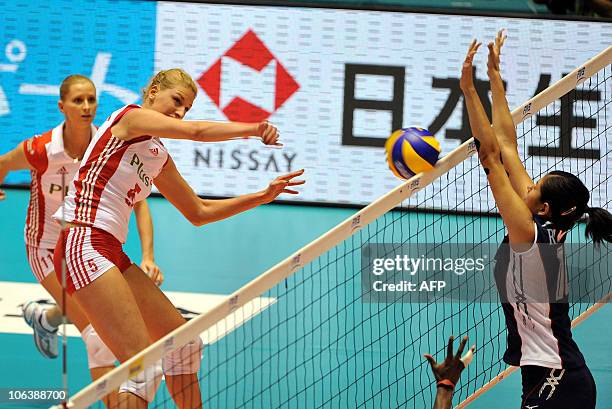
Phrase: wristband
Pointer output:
(447, 383)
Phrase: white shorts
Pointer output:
(41, 261)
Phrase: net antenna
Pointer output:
(223, 319)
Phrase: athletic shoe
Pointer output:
(45, 340)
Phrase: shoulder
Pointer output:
(121, 112)
(118, 125)
(35, 149)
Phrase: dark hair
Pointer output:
(72, 79)
(568, 200)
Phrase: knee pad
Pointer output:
(184, 360)
(145, 384)
(98, 354)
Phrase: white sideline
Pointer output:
(285, 268)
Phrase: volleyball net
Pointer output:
(312, 332)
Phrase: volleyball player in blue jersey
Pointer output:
(537, 217)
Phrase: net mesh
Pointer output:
(311, 342)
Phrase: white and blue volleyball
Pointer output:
(410, 151)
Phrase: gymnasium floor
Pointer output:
(195, 280)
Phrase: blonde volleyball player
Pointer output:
(537, 217)
(53, 159)
(124, 160)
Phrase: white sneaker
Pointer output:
(45, 340)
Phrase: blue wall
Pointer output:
(62, 38)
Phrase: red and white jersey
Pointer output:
(113, 176)
(49, 162)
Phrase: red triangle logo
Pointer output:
(210, 82)
(241, 110)
(251, 51)
(285, 86)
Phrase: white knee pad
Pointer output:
(184, 360)
(98, 354)
(145, 384)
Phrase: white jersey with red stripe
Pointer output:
(114, 175)
(51, 167)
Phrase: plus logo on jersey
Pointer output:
(262, 66)
(53, 188)
(140, 169)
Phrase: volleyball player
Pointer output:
(537, 217)
(124, 160)
(53, 158)
(448, 372)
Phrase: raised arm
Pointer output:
(139, 122)
(144, 223)
(503, 125)
(202, 211)
(10, 161)
(515, 213)
(448, 372)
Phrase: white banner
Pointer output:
(338, 82)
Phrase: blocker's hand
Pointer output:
(495, 50)
(467, 75)
(453, 365)
(268, 133)
(281, 184)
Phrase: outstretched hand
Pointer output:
(2, 195)
(281, 185)
(467, 75)
(453, 365)
(268, 133)
(495, 50)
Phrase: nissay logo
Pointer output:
(248, 57)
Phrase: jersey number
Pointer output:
(92, 266)
(131, 195)
(44, 260)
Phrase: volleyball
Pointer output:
(410, 151)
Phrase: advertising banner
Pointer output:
(335, 82)
(338, 82)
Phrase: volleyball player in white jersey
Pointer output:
(119, 169)
(529, 268)
(53, 159)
